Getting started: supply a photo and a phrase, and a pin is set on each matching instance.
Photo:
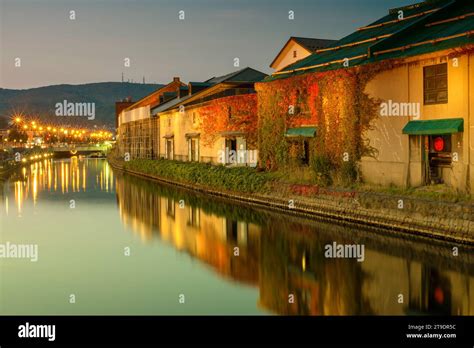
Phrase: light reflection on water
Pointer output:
(226, 258)
(72, 175)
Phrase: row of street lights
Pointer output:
(30, 129)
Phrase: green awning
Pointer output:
(309, 132)
(431, 127)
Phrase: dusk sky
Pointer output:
(54, 49)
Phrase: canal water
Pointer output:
(111, 243)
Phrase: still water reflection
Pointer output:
(124, 245)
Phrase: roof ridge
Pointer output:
(227, 76)
(131, 107)
(235, 73)
(371, 48)
(419, 14)
(411, 6)
(311, 38)
(451, 19)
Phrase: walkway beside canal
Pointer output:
(396, 214)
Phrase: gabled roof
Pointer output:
(420, 31)
(245, 75)
(134, 105)
(312, 44)
(309, 44)
(169, 95)
(169, 104)
(200, 84)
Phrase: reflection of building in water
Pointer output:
(192, 229)
(435, 292)
(425, 288)
(297, 279)
(284, 257)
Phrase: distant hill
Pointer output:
(41, 101)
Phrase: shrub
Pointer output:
(323, 168)
(242, 179)
(348, 173)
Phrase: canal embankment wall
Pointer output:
(421, 217)
(9, 165)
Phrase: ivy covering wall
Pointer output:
(234, 113)
(335, 102)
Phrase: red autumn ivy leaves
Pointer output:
(234, 113)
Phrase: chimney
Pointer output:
(175, 79)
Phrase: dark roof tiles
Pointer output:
(313, 44)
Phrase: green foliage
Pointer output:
(195, 199)
(271, 143)
(336, 103)
(323, 167)
(348, 173)
(281, 152)
(242, 179)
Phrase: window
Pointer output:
(435, 84)
(194, 118)
(294, 54)
(169, 122)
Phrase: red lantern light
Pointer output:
(438, 144)
(439, 295)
